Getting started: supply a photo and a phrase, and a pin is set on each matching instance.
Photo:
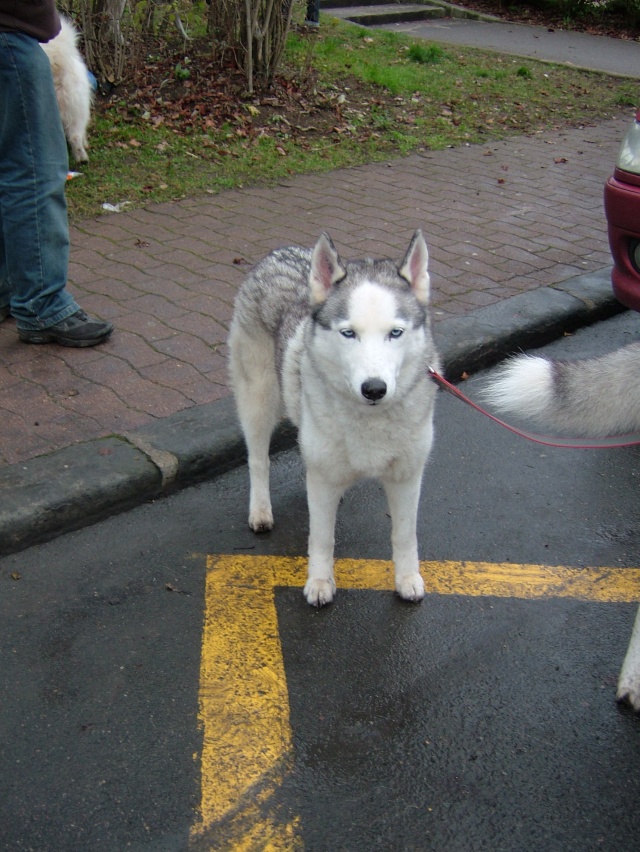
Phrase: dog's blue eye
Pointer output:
(347, 332)
(395, 333)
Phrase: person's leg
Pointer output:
(312, 18)
(34, 232)
(5, 295)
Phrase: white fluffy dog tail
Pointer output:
(591, 398)
(522, 386)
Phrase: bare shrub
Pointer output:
(105, 26)
(255, 32)
(252, 32)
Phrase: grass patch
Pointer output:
(426, 54)
(346, 96)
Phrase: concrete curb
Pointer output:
(72, 488)
(479, 339)
(451, 10)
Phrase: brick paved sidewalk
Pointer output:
(500, 219)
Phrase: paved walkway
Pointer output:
(500, 219)
(564, 47)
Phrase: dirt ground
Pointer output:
(208, 96)
(612, 24)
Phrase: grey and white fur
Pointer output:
(592, 398)
(341, 348)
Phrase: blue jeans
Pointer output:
(313, 11)
(34, 229)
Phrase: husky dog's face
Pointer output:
(369, 320)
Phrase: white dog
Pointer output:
(73, 87)
(592, 398)
(343, 349)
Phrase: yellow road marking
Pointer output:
(244, 707)
(244, 704)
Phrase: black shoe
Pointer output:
(77, 330)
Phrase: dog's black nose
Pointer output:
(373, 389)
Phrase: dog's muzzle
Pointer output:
(373, 389)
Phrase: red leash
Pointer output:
(569, 443)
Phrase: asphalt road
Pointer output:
(470, 721)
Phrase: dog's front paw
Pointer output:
(629, 693)
(261, 521)
(319, 592)
(410, 587)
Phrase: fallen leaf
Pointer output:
(171, 588)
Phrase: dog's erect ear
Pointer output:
(415, 268)
(326, 269)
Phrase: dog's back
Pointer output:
(591, 397)
(274, 299)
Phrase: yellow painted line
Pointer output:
(244, 707)
(532, 581)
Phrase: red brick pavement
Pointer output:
(500, 219)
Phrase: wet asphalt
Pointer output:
(465, 722)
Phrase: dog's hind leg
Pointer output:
(324, 497)
(77, 143)
(259, 405)
(403, 500)
(629, 681)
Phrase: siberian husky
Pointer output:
(342, 348)
(591, 398)
(73, 87)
